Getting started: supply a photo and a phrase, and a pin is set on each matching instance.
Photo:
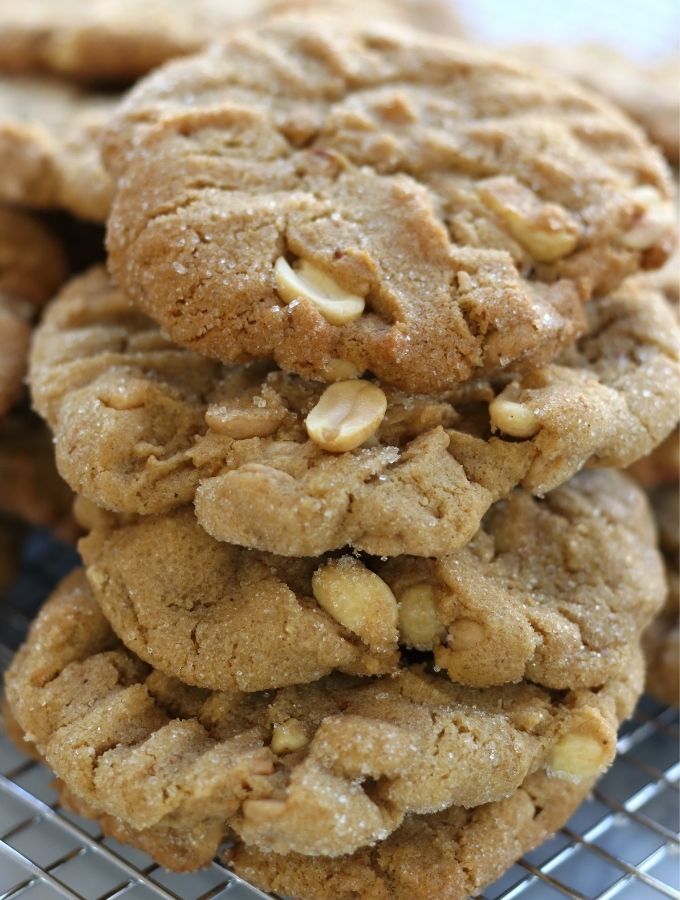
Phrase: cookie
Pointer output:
(31, 490)
(119, 40)
(555, 591)
(320, 769)
(647, 93)
(451, 854)
(32, 266)
(50, 145)
(374, 199)
(142, 426)
(662, 638)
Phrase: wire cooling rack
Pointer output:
(623, 842)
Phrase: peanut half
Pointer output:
(347, 414)
(307, 282)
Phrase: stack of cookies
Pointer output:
(362, 598)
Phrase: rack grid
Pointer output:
(623, 842)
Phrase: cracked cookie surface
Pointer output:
(50, 147)
(469, 206)
(555, 591)
(32, 266)
(143, 426)
(296, 770)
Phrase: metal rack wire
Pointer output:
(623, 842)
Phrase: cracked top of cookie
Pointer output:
(50, 146)
(32, 266)
(375, 198)
(320, 769)
(555, 591)
(143, 426)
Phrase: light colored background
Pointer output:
(647, 29)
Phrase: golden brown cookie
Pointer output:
(555, 591)
(452, 854)
(376, 200)
(32, 266)
(143, 426)
(50, 145)
(31, 490)
(318, 769)
(648, 93)
(119, 40)
(662, 639)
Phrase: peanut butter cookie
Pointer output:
(295, 467)
(374, 199)
(555, 591)
(119, 40)
(662, 639)
(50, 145)
(648, 93)
(32, 266)
(320, 769)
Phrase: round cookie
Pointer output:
(143, 426)
(32, 266)
(450, 854)
(375, 199)
(661, 641)
(119, 40)
(31, 490)
(321, 769)
(50, 146)
(649, 94)
(555, 591)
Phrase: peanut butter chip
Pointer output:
(358, 599)
(419, 624)
(347, 414)
(578, 756)
(288, 736)
(307, 282)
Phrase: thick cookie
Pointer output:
(649, 94)
(445, 212)
(31, 490)
(321, 769)
(662, 640)
(555, 591)
(32, 266)
(119, 40)
(450, 854)
(142, 426)
(50, 145)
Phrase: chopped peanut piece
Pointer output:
(347, 414)
(513, 418)
(341, 370)
(307, 282)
(547, 231)
(419, 624)
(656, 220)
(288, 737)
(261, 811)
(358, 599)
(241, 422)
(578, 756)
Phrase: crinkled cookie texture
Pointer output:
(321, 769)
(649, 94)
(554, 591)
(449, 854)
(662, 638)
(50, 145)
(143, 426)
(32, 266)
(119, 40)
(467, 207)
(31, 490)
(452, 854)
